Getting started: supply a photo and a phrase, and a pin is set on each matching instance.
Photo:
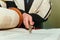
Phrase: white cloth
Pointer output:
(22, 34)
(8, 18)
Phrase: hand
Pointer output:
(27, 20)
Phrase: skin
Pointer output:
(27, 20)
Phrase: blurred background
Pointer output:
(54, 18)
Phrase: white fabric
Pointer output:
(8, 18)
(44, 8)
(20, 4)
(3, 4)
(41, 7)
(22, 34)
(8, 0)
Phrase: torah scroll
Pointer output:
(10, 18)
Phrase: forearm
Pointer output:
(42, 14)
(12, 4)
(44, 9)
(2, 4)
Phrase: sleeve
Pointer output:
(2, 4)
(37, 20)
(42, 14)
(44, 9)
(12, 4)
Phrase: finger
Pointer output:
(31, 21)
(26, 22)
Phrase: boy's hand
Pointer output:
(27, 20)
